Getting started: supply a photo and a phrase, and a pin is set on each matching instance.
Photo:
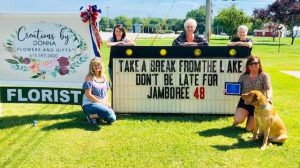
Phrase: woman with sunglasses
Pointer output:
(253, 79)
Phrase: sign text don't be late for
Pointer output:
(175, 79)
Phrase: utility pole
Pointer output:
(107, 16)
(208, 20)
(148, 22)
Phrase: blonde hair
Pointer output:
(190, 21)
(244, 27)
(95, 61)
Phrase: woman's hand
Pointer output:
(120, 43)
(106, 104)
(190, 43)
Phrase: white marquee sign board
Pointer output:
(175, 80)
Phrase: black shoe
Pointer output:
(92, 121)
(100, 121)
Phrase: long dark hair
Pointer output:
(250, 60)
(121, 28)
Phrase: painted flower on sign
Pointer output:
(46, 49)
(49, 65)
(63, 70)
(34, 67)
(26, 60)
(63, 61)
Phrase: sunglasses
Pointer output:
(253, 63)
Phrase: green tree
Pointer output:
(146, 22)
(137, 20)
(199, 15)
(104, 23)
(175, 24)
(112, 23)
(256, 24)
(126, 22)
(285, 12)
(154, 24)
(230, 18)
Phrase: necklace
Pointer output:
(99, 79)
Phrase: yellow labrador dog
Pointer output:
(267, 122)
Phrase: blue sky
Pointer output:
(129, 8)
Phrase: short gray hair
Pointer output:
(190, 21)
(244, 27)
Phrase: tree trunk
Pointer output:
(294, 36)
(273, 35)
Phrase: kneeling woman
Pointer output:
(95, 99)
(253, 79)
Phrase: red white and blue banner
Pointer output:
(91, 15)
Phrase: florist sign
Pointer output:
(45, 50)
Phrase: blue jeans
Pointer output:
(101, 110)
(110, 71)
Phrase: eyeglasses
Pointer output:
(253, 63)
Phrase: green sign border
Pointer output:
(43, 95)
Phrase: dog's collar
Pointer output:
(263, 107)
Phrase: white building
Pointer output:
(267, 32)
(296, 29)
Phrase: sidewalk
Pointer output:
(293, 73)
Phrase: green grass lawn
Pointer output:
(63, 138)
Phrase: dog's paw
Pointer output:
(254, 138)
(264, 147)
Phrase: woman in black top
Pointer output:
(118, 39)
(242, 39)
